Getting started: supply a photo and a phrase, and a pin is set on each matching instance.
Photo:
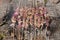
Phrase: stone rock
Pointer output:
(53, 9)
(54, 1)
(3, 6)
(58, 9)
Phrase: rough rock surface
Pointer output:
(53, 8)
(54, 11)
